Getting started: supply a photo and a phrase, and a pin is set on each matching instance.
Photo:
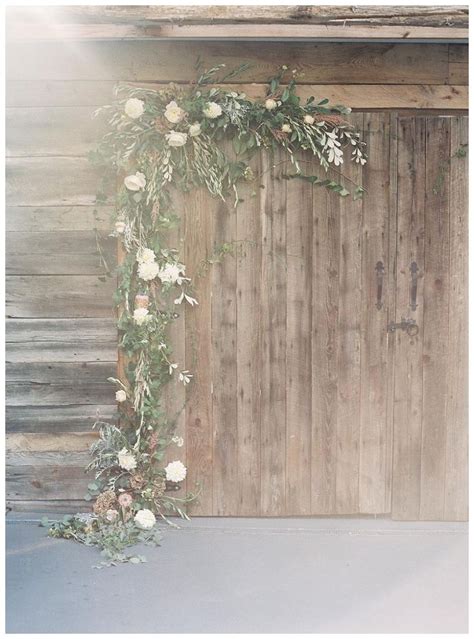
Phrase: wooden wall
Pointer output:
(61, 339)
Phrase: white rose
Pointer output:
(286, 128)
(308, 119)
(134, 108)
(148, 270)
(195, 129)
(174, 113)
(175, 138)
(145, 256)
(179, 441)
(175, 471)
(145, 519)
(126, 460)
(171, 273)
(212, 110)
(140, 315)
(121, 396)
(270, 104)
(135, 182)
(120, 226)
(111, 515)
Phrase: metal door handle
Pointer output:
(408, 325)
(413, 285)
(379, 270)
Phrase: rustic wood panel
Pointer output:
(57, 419)
(456, 480)
(29, 219)
(49, 442)
(323, 63)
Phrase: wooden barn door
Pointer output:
(303, 401)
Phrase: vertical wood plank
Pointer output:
(374, 354)
(324, 346)
(200, 212)
(348, 358)
(456, 480)
(248, 346)
(224, 370)
(273, 301)
(408, 351)
(299, 206)
(435, 318)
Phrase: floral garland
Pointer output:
(159, 141)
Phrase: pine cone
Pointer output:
(104, 502)
(159, 487)
(137, 481)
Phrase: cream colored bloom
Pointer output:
(175, 138)
(148, 270)
(308, 119)
(126, 460)
(172, 273)
(111, 515)
(270, 104)
(174, 113)
(145, 256)
(286, 128)
(145, 519)
(212, 110)
(135, 182)
(120, 226)
(134, 108)
(195, 129)
(121, 396)
(125, 500)
(179, 441)
(140, 316)
(175, 471)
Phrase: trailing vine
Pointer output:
(158, 142)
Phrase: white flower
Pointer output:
(145, 256)
(120, 226)
(134, 108)
(135, 182)
(212, 110)
(140, 315)
(195, 129)
(175, 138)
(175, 471)
(174, 113)
(126, 460)
(148, 270)
(270, 104)
(145, 519)
(121, 396)
(286, 128)
(188, 298)
(308, 119)
(185, 377)
(173, 273)
(179, 441)
(172, 367)
(111, 515)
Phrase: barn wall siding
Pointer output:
(61, 336)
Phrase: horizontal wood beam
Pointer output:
(50, 31)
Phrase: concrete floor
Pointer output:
(246, 575)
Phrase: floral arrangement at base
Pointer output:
(159, 142)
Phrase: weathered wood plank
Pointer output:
(435, 319)
(52, 181)
(323, 63)
(324, 345)
(49, 442)
(458, 64)
(57, 419)
(249, 256)
(59, 253)
(59, 296)
(58, 93)
(29, 219)
(59, 506)
(200, 214)
(456, 480)
(408, 353)
(42, 131)
(299, 237)
(374, 354)
(224, 367)
(348, 356)
(273, 320)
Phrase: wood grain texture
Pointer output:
(456, 479)
(408, 351)
(299, 238)
(273, 319)
(49, 442)
(30, 219)
(374, 345)
(57, 419)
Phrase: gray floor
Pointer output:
(246, 575)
